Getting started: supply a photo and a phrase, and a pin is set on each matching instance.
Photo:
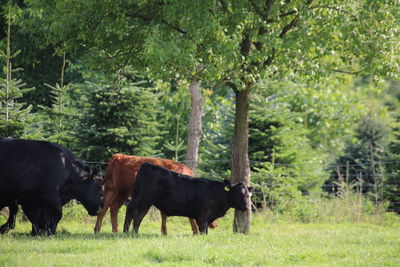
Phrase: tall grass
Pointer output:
(351, 209)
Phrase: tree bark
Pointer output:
(194, 134)
(240, 159)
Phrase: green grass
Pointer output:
(271, 243)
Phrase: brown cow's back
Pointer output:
(122, 170)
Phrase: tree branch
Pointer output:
(224, 6)
(174, 27)
(288, 27)
(336, 8)
(258, 10)
(149, 18)
(346, 72)
(232, 85)
(245, 45)
(270, 58)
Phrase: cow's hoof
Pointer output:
(4, 229)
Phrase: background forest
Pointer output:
(318, 129)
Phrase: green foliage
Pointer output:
(60, 117)
(13, 113)
(362, 163)
(177, 146)
(283, 162)
(329, 108)
(391, 187)
(173, 112)
(118, 115)
(41, 63)
(215, 148)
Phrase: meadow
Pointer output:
(273, 241)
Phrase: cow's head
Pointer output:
(87, 190)
(239, 195)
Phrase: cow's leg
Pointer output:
(163, 223)
(195, 228)
(100, 217)
(31, 211)
(114, 209)
(136, 211)
(50, 220)
(130, 213)
(45, 220)
(128, 218)
(202, 223)
(12, 214)
(202, 220)
(107, 200)
(51, 212)
(138, 217)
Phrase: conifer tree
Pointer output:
(119, 116)
(13, 113)
(361, 165)
(58, 127)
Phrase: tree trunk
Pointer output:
(194, 134)
(240, 159)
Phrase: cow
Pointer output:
(176, 194)
(119, 181)
(41, 177)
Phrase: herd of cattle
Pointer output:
(41, 177)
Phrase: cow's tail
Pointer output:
(138, 182)
(108, 177)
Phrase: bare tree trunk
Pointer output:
(240, 159)
(194, 135)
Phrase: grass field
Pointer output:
(269, 244)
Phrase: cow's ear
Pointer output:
(93, 173)
(251, 190)
(227, 184)
(89, 173)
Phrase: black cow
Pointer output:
(41, 177)
(176, 194)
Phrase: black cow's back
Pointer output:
(26, 165)
(177, 194)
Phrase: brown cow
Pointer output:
(119, 181)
